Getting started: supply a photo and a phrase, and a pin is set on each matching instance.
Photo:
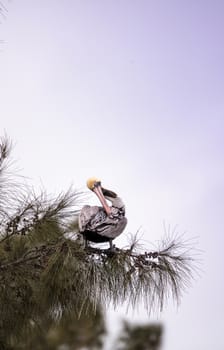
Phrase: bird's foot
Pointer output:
(113, 248)
(86, 244)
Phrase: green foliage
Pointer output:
(71, 332)
(140, 337)
(45, 276)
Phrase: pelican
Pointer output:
(102, 223)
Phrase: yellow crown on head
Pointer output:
(91, 182)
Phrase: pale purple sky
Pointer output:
(132, 92)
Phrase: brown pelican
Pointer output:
(102, 224)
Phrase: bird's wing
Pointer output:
(87, 213)
(113, 229)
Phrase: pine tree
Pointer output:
(70, 333)
(140, 337)
(46, 275)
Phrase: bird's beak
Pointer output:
(98, 191)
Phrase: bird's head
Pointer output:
(94, 184)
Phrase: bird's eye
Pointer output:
(96, 184)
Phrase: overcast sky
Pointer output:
(132, 92)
